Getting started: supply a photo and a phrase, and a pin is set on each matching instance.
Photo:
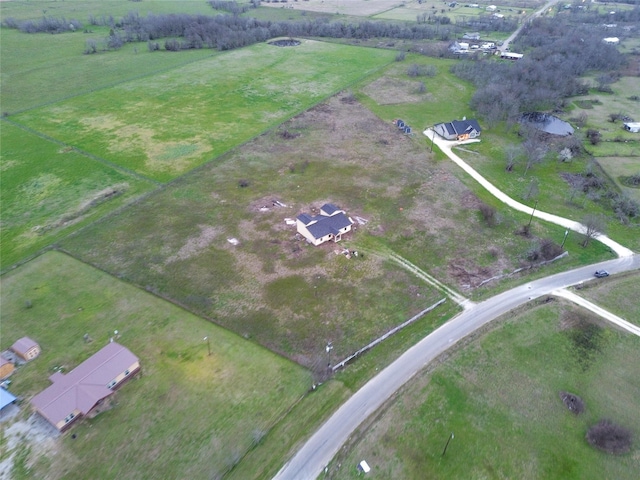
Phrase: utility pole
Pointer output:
(566, 232)
(447, 444)
(328, 349)
(206, 339)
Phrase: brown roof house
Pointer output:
(26, 348)
(329, 225)
(86, 386)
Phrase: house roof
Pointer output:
(6, 398)
(329, 209)
(326, 225)
(23, 345)
(305, 218)
(85, 385)
(4, 361)
(632, 124)
(464, 126)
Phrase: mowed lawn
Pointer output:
(164, 125)
(187, 415)
(49, 190)
(499, 396)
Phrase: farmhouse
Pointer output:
(633, 127)
(329, 225)
(458, 129)
(26, 348)
(86, 386)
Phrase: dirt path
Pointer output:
(446, 147)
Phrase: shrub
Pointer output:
(488, 214)
(609, 437)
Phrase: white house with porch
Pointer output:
(329, 225)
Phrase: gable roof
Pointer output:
(6, 398)
(85, 385)
(326, 225)
(23, 345)
(464, 126)
(329, 209)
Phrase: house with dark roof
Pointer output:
(77, 393)
(458, 129)
(26, 348)
(329, 225)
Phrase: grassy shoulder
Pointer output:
(49, 190)
(500, 397)
(618, 294)
(187, 413)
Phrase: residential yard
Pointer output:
(49, 190)
(499, 396)
(187, 414)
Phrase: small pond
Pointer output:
(547, 123)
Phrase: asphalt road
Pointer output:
(309, 462)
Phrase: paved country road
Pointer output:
(309, 462)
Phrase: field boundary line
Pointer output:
(104, 161)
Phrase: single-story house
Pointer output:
(511, 56)
(458, 129)
(329, 225)
(471, 36)
(26, 348)
(82, 389)
(491, 8)
(633, 127)
(6, 368)
(611, 40)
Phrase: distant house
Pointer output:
(491, 8)
(6, 368)
(26, 348)
(471, 36)
(458, 129)
(611, 40)
(82, 389)
(511, 56)
(633, 127)
(329, 225)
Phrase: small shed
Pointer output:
(633, 127)
(6, 398)
(364, 467)
(26, 348)
(6, 368)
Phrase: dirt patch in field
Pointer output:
(389, 91)
(573, 402)
(196, 244)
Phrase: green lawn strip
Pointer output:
(187, 414)
(620, 167)
(554, 193)
(39, 69)
(618, 294)
(165, 125)
(49, 191)
(306, 417)
(500, 397)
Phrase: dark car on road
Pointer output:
(601, 273)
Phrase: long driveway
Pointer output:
(309, 462)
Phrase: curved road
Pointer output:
(320, 449)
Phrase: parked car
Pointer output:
(601, 273)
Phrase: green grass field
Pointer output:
(187, 414)
(49, 190)
(500, 398)
(618, 294)
(165, 125)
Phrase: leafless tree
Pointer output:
(594, 226)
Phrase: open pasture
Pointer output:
(165, 125)
(618, 294)
(49, 190)
(188, 414)
(499, 396)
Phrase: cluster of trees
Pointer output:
(44, 25)
(557, 55)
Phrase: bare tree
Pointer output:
(534, 149)
(512, 154)
(594, 226)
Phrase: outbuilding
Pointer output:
(633, 127)
(6, 368)
(26, 348)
